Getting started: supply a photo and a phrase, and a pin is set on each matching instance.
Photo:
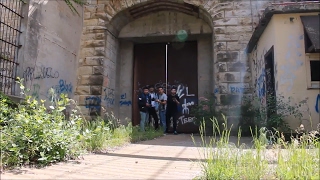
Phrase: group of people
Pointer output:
(158, 105)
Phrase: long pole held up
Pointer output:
(167, 68)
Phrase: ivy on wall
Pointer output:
(71, 6)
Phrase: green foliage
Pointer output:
(273, 115)
(71, 6)
(283, 160)
(204, 111)
(32, 134)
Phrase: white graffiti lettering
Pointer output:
(185, 120)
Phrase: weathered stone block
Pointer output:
(238, 13)
(226, 37)
(93, 43)
(91, 80)
(99, 51)
(85, 70)
(246, 77)
(221, 46)
(219, 30)
(227, 56)
(82, 90)
(100, 36)
(86, 15)
(93, 61)
(233, 46)
(90, 22)
(238, 67)
(223, 88)
(239, 29)
(226, 22)
(230, 99)
(87, 37)
(95, 29)
(86, 52)
(98, 70)
(229, 77)
(102, 15)
(90, 8)
(96, 90)
(222, 67)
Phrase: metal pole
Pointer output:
(167, 68)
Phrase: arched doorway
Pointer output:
(160, 43)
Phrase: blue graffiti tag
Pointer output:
(261, 85)
(93, 102)
(124, 102)
(63, 87)
(317, 103)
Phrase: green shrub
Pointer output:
(33, 134)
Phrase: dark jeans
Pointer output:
(153, 113)
(172, 114)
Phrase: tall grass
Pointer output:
(101, 134)
(227, 160)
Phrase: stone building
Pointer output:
(104, 55)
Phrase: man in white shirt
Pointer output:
(152, 109)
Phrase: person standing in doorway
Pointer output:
(162, 100)
(152, 109)
(172, 110)
(144, 102)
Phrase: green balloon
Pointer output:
(182, 35)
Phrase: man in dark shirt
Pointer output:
(172, 110)
(144, 102)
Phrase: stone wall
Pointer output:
(233, 23)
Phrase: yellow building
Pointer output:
(284, 56)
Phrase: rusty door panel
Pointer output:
(183, 73)
(149, 68)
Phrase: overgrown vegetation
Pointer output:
(282, 160)
(251, 113)
(32, 134)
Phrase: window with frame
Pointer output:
(313, 70)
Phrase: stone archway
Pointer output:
(98, 73)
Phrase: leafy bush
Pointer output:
(204, 111)
(32, 134)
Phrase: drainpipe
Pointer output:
(251, 15)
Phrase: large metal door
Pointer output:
(150, 68)
(183, 73)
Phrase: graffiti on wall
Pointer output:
(63, 87)
(261, 86)
(35, 91)
(93, 103)
(124, 101)
(317, 107)
(108, 97)
(42, 72)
